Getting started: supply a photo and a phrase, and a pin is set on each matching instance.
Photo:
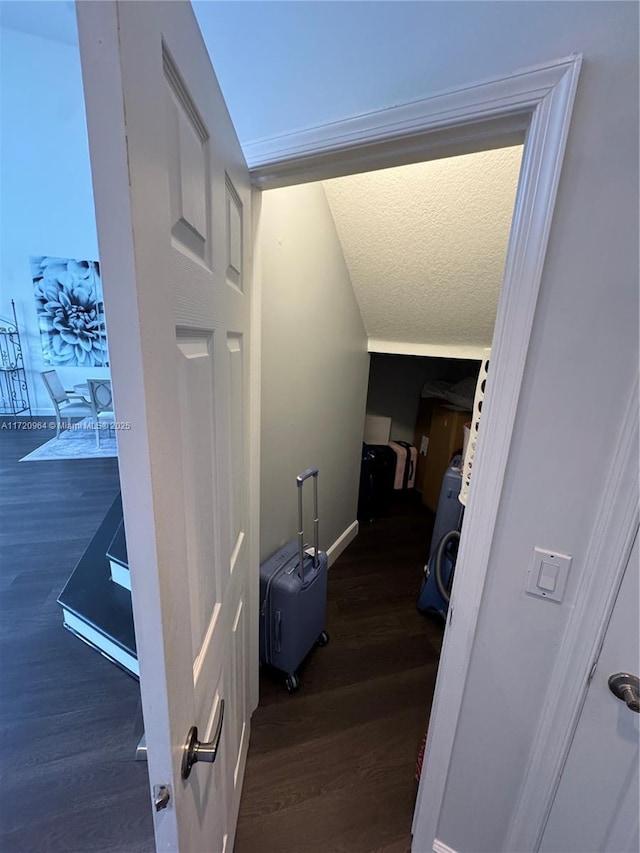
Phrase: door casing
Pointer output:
(533, 105)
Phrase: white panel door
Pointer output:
(172, 200)
(596, 805)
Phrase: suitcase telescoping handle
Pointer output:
(310, 472)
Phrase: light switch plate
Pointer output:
(543, 565)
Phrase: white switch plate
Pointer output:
(536, 585)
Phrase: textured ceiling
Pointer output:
(425, 245)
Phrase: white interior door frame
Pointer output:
(533, 104)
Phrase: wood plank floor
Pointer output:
(70, 720)
(330, 769)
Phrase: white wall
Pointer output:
(46, 203)
(314, 368)
(346, 58)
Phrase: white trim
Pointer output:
(345, 539)
(98, 641)
(486, 114)
(539, 101)
(441, 847)
(545, 94)
(255, 381)
(432, 350)
(607, 555)
(552, 104)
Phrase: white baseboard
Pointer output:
(345, 538)
(440, 847)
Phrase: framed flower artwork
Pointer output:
(70, 311)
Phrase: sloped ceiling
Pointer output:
(425, 246)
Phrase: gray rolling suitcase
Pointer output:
(293, 597)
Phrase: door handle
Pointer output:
(194, 750)
(627, 688)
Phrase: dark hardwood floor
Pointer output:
(330, 769)
(70, 720)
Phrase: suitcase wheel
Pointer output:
(323, 639)
(292, 683)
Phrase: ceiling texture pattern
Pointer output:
(425, 245)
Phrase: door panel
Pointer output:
(188, 166)
(168, 165)
(197, 419)
(236, 428)
(234, 236)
